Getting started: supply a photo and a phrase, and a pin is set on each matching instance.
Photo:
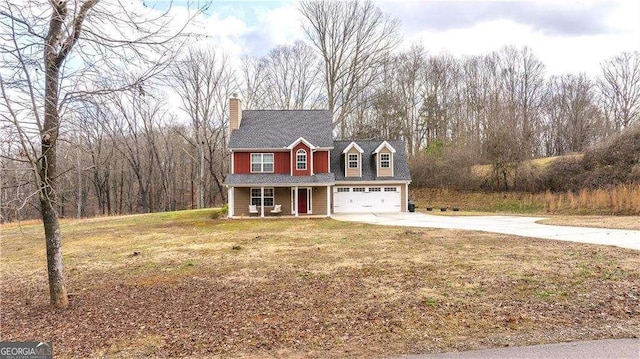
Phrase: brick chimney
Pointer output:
(235, 112)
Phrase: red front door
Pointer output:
(302, 200)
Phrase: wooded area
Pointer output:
(136, 138)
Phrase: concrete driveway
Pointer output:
(518, 226)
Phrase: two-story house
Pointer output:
(289, 158)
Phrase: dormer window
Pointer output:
(301, 160)
(353, 160)
(352, 157)
(385, 160)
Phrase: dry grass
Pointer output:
(309, 288)
(617, 222)
(614, 222)
(540, 163)
(621, 199)
(488, 202)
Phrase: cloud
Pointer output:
(251, 27)
(568, 18)
(274, 26)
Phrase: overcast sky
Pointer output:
(567, 35)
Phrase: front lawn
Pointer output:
(183, 284)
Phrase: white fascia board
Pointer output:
(320, 184)
(382, 145)
(353, 145)
(257, 150)
(301, 139)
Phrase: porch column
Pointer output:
(295, 201)
(230, 202)
(328, 201)
(261, 201)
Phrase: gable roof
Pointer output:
(400, 165)
(383, 145)
(301, 140)
(270, 129)
(353, 144)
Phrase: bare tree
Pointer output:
(291, 77)
(204, 80)
(410, 66)
(522, 75)
(620, 89)
(252, 83)
(353, 39)
(440, 76)
(92, 137)
(134, 125)
(44, 70)
(572, 116)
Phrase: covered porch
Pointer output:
(264, 201)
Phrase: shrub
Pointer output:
(444, 166)
(564, 174)
(220, 212)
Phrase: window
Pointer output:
(268, 197)
(390, 189)
(261, 162)
(385, 160)
(374, 189)
(353, 161)
(301, 160)
(358, 189)
(343, 189)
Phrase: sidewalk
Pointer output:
(596, 349)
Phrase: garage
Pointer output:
(366, 199)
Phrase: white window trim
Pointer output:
(387, 160)
(357, 160)
(262, 162)
(262, 196)
(301, 152)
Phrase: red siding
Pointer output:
(242, 162)
(281, 164)
(306, 172)
(321, 162)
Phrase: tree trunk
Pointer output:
(48, 174)
(55, 268)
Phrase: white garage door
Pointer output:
(366, 199)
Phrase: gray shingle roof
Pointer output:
(400, 165)
(279, 128)
(275, 179)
